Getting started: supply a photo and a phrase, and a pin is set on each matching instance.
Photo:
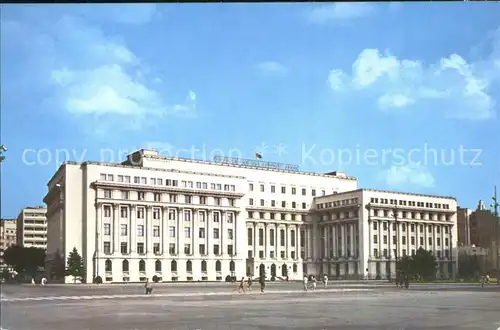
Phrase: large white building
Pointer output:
(32, 227)
(183, 219)
(364, 232)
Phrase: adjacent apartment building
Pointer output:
(182, 219)
(32, 227)
(7, 236)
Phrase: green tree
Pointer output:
(24, 260)
(405, 266)
(424, 264)
(75, 266)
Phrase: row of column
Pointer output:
(277, 239)
(399, 233)
(333, 238)
(164, 238)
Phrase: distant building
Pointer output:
(463, 226)
(7, 235)
(478, 230)
(32, 227)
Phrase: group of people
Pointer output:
(43, 281)
(310, 282)
(247, 285)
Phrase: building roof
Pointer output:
(153, 154)
(390, 192)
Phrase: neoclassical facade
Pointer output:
(184, 220)
(364, 232)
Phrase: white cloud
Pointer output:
(82, 71)
(271, 67)
(462, 89)
(341, 11)
(408, 176)
(111, 80)
(388, 101)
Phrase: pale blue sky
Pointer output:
(351, 76)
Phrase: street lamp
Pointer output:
(368, 208)
(2, 158)
(494, 209)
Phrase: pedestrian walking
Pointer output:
(325, 281)
(262, 281)
(33, 281)
(148, 287)
(43, 281)
(250, 283)
(305, 282)
(313, 283)
(241, 287)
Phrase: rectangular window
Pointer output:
(107, 247)
(123, 247)
(140, 230)
(123, 230)
(107, 229)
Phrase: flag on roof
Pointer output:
(258, 156)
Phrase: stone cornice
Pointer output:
(165, 189)
(254, 208)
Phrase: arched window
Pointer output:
(173, 266)
(125, 266)
(157, 266)
(142, 265)
(231, 266)
(189, 266)
(108, 266)
(203, 266)
(218, 266)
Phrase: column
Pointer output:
(276, 242)
(417, 238)
(133, 228)
(255, 240)
(266, 241)
(370, 237)
(353, 240)
(195, 226)
(297, 241)
(164, 230)
(235, 234)
(116, 230)
(389, 238)
(208, 227)
(98, 230)
(180, 231)
(149, 229)
(287, 241)
(222, 234)
(335, 241)
(325, 239)
(345, 230)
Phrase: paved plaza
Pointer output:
(283, 306)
